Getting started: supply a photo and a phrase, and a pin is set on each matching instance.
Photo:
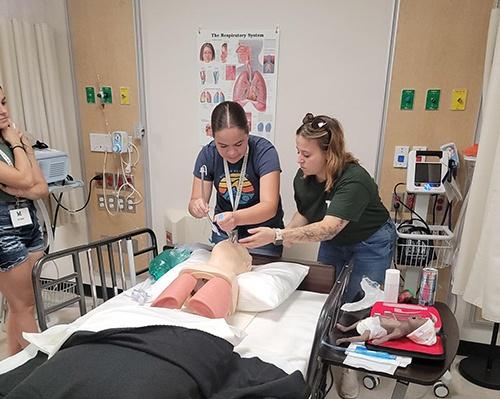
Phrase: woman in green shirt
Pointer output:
(338, 204)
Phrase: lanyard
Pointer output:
(6, 158)
(8, 162)
(229, 183)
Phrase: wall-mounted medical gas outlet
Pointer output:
(458, 99)
(124, 96)
(119, 142)
(105, 95)
(432, 99)
(401, 156)
(407, 98)
(100, 142)
(90, 94)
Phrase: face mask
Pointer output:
(425, 334)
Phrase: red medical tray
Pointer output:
(405, 346)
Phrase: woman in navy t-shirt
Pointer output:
(251, 164)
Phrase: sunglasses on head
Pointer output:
(320, 124)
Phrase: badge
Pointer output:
(20, 217)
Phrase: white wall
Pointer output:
(53, 13)
(333, 60)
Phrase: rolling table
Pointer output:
(420, 371)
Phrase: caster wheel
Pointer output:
(370, 381)
(441, 390)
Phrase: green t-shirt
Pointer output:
(4, 197)
(354, 197)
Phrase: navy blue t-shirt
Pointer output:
(262, 159)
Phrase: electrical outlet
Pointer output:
(109, 180)
(121, 204)
(112, 202)
(395, 201)
(410, 200)
(401, 156)
(100, 201)
(130, 205)
(129, 179)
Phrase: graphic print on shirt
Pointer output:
(247, 192)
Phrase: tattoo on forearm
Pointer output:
(314, 232)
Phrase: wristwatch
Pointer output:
(278, 237)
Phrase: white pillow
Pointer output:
(267, 286)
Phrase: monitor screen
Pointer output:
(427, 173)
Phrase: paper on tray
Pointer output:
(370, 363)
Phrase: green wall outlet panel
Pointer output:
(90, 94)
(407, 99)
(432, 99)
(107, 95)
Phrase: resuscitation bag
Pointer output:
(166, 260)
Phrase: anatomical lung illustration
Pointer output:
(250, 85)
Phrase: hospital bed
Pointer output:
(103, 273)
(293, 336)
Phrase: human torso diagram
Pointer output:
(250, 85)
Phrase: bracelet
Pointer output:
(18, 146)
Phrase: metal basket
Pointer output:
(55, 294)
(425, 250)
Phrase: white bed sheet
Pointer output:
(284, 336)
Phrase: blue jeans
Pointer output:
(370, 258)
(266, 250)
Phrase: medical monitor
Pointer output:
(426, 171)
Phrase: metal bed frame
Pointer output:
(317, 369)
(70, 289)
(52, 295)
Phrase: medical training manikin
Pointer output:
(380, 329)
(209, 289)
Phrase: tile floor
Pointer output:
(459, 388)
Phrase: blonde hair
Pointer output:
(330, 137)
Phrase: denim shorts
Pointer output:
(17, 242)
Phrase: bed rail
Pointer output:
(53, 294)
(317, 370)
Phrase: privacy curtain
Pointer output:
(29, 74)
(477, 273)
